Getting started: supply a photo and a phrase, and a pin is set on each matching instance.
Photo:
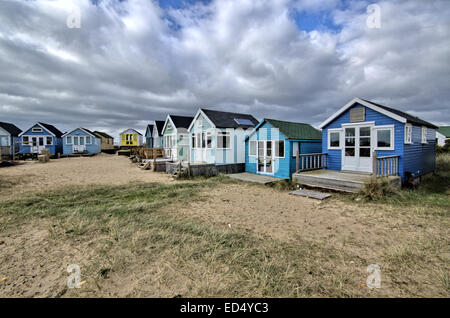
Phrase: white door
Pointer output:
(37, 144)
(357, 152)
(265, 157)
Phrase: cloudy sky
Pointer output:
(134, 61)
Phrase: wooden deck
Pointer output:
(345, 181)
(255, 178)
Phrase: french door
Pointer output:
(265, 156)
(357, 151)
(79, 144)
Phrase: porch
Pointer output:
(312, 171)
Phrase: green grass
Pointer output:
(128, 225)
(433, 192)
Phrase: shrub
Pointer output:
(376, 189)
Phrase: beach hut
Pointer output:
(218, 137)
(107, 140)
(41, 136)
(176, 137)
(149, 136)
(271, 148)
(9, 140)
(157, 135)
(367, 137)
(443, 135)
(131, 138)
(81, 141)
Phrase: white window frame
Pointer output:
(375, 137)
(424, 135)
(221, 134)
(37, 129)
(67, 140)
(275, 147)
(48, 144)
(294, 151)
(408, 134)
(334, 130)
(90, 140)
(255, 142)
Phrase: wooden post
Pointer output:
(297, 160)
(374, 164)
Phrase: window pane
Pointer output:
(88, 139)
(350, 152)
(269, 149)
(252, 148)
(81, 141)
(384, 138)
(294, 148)
(41, 141)
(203, 140)
(209, 141)
(350, 142)
(349, 132)
(364, 152)
(193, 141)
(49, 140)
(364, 131)
(279, 148)
(260, 148)
(227, 142)
(334, 139)
(364, 141)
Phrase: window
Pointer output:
(424, 135)
(223, 140)
(203, 140)
(295, 148)
(408, 134)
(88, 140)
(25, 140)
(208, 140)
(199, 140)
(384, 138)
(350, 135)
(252, 150)
(279, 149)
(193, 142)
(36, 129)
(243, 122)
(334, 139)
(69, 140)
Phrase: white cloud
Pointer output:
(133, 62)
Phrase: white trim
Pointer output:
(71, 142)
(364, 123)
(23, 132)
(375, 137)
(364, 103)
(410, 134)
(165, 125)
(334, 130)
(36, 130)
(87, 132)
(123, 132)
(196, 117)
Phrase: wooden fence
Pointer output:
(385, 166)
(148, 153)
(311, 161)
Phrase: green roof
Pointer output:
(296, 130)
(445, 130)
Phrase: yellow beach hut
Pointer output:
(131, 138)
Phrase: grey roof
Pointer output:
(11, 129)
(181, 121)
(227, 120)
(159, 126)
(52, 129)
(409, 118)
(102, 134)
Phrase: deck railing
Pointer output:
(311, 161)
(385, 166)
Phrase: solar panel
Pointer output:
(242, 121)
